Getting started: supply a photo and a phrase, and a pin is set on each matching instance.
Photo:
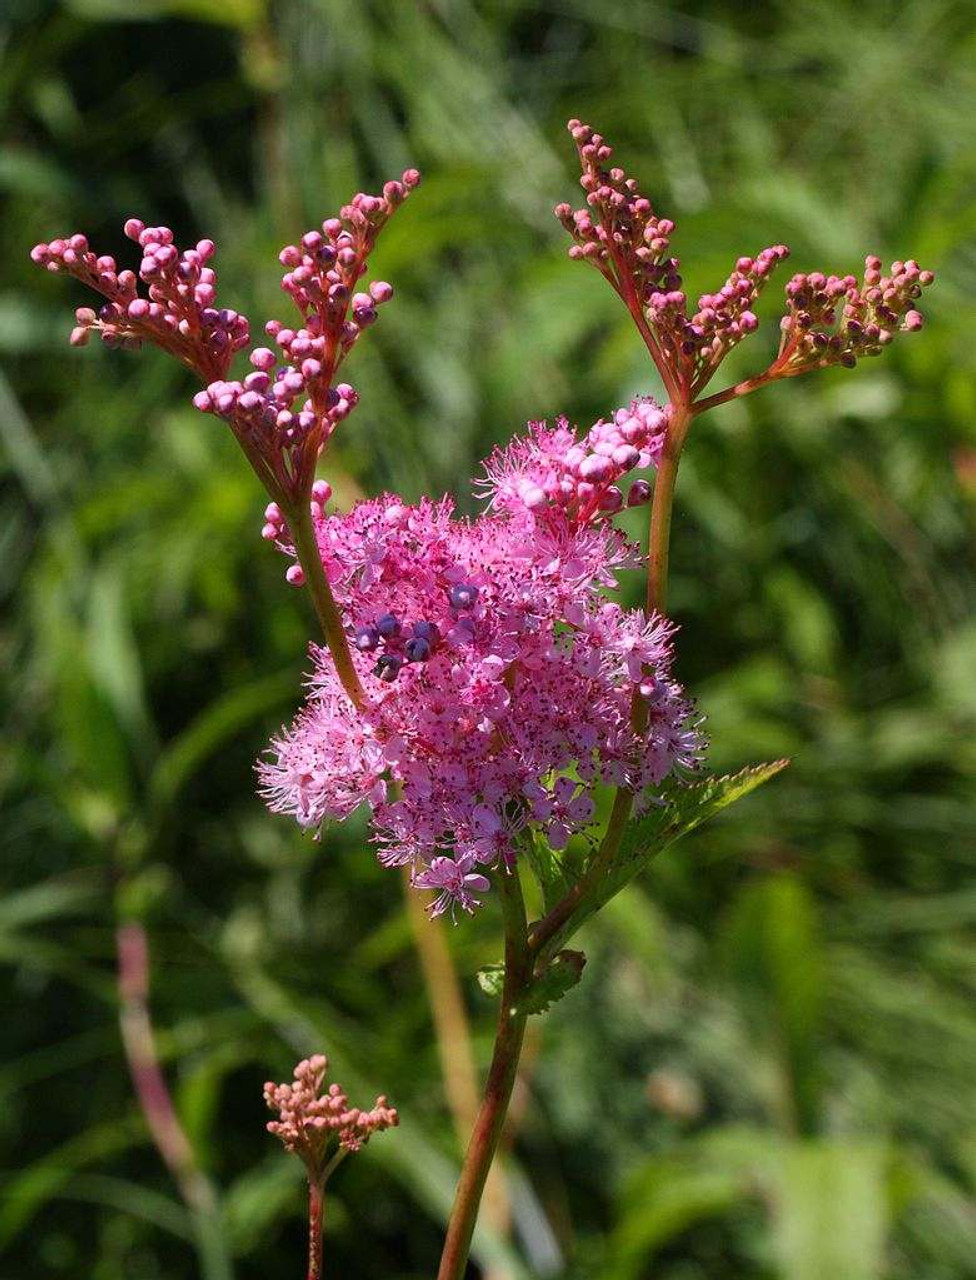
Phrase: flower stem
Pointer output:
(302, 530)
(316, 1216)
(498, 1089)
(659, 539)
(454, 1046)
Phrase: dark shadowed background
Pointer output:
(769, 1070)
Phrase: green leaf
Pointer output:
(212, 728)
(559, 978)
(491, 979)
(831, 1211)
(547, 867)
(684, 809)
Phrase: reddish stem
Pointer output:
(156, 1103)
(498, 1089)
(316, 1219)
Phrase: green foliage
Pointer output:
(559, 977)
(684, 808)
(548, 987)
(769, 1067)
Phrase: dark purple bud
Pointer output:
(388, 625)
(428, 631)
(366, 638)
(388, 668)
(640, 492)
(417, 649)
(463, 595)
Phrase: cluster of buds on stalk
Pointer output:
(555, 467)
(179, 314)
(285, 410)
(830, 320)
(321, 1127)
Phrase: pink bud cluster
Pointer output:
(553, 467)
(836, 319)
(179, 313)
(618, 232)
(506, 699)
(317, 1126)
(285, 410)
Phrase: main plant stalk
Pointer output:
(501, 1080)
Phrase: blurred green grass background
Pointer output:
(770, 1067)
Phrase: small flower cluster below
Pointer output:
(319, 1126)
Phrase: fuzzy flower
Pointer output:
(500, 680)
(456, 881)
(320, 1127)
(553, 466)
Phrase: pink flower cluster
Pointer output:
(836, 319)
(618, 231)
(551, 466)
(179, 313)
(285, 410)
(316, 1125)
(500, 679)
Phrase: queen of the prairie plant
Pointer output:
(478, 686)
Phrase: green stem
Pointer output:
(302, 530)
(545, 936)
(498, 1089)
(659, 539)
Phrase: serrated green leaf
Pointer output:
(559, 978)
(685, 808)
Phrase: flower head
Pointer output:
(319, 1126)
(500, 680)
(177, 309)
(283, 411)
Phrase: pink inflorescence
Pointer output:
(500, 679)
(552, 466)
(283, 411)
(837, 319)
(286, 409)
(179, 314)
(618, 231)
(317, 1126)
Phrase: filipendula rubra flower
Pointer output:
(500, 678)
